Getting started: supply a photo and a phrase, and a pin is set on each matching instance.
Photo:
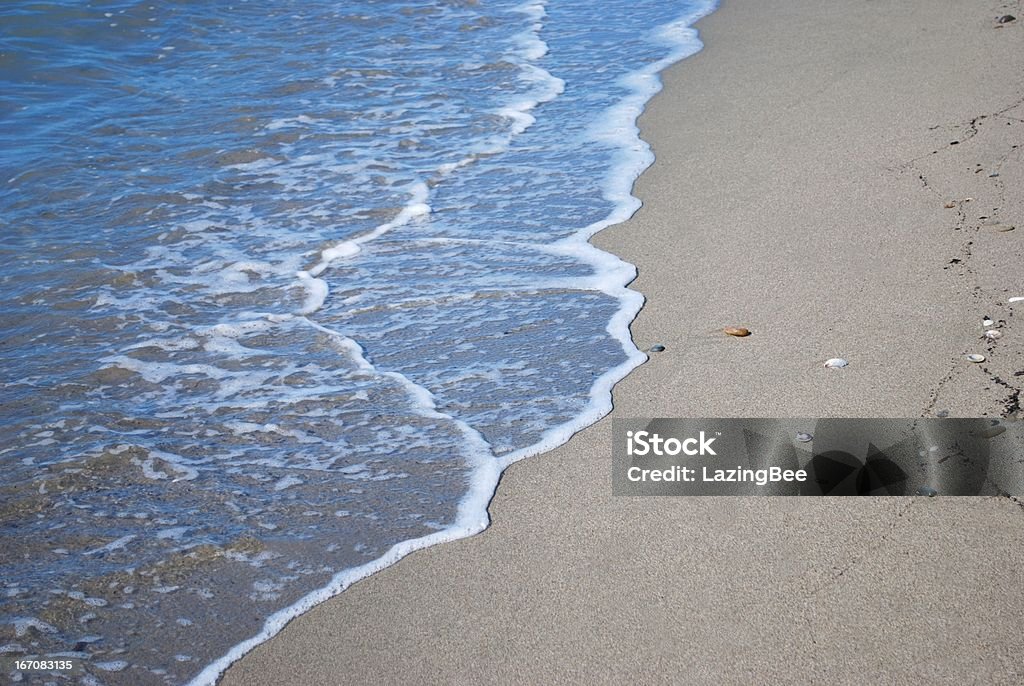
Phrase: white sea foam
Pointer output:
(613, 274)
(417, 207)
(22, 625)
(317, 291)
(610, 276)
(112, 665)
(113, 545)
(290, 122)
(528, 48)
(287, 482)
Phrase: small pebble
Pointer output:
(836, 363)
(928, 491)
(804, 437)
(656, 348)
(737, 331)
(1006, 19)
(993, 334)
(974, 357)
(942, 413)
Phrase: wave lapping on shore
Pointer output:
(287, 286)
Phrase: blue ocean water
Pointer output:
(285, 286)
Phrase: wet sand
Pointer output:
(833, 176)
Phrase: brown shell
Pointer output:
(737, 331)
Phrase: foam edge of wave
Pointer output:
(472, 518)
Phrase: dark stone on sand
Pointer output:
(656, 348)
(942, 413)
(928, 491)
(1006, 19)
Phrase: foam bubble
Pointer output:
(287, 482)
(317, 291)
(22, 626)
(117, 544)
(112, 665)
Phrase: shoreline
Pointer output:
(795, 192)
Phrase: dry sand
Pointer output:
(805, 159)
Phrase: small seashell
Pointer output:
(987, 322)
(927, 491)
(974, 357)
(993, 334)
(949, 205)
(836, 363)
(1016, 299)
(993, 431)
(656, 348)
(1000, 227)
(804, 437)
(737, 331)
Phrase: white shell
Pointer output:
(836, 362)
(993, 334)
(1015, 299)
(987, 322)
(974, 357)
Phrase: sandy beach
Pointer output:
(839, 178)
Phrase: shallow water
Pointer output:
(285, 286)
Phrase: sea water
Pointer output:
(285, 286)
